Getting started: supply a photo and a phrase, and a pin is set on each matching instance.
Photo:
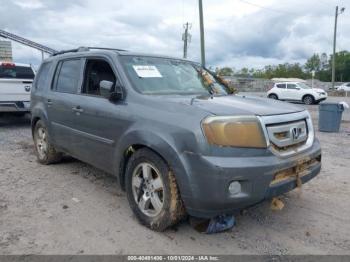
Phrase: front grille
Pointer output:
(288, 134)
(288, 148)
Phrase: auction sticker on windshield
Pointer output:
(146, 71)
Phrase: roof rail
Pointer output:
(84, 49)
(107, 48)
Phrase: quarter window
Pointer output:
(43, 76)
(281, 85)
(69, 75)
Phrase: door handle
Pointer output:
(78, 109)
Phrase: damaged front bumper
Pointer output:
(260, 178)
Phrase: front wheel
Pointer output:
(273, 96)
(308, 100)
(152, 191)
(45, 152)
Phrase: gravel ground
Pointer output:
(73, 208)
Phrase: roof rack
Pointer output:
(85, 49)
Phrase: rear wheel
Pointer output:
(273, 96)
(45, 152)
(308, 100)
(152, 191)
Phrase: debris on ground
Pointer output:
(214, 225)
(76, 200)
(276, 204)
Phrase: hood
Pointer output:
(318, 89)
(236, 105)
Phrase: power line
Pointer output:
(267, 8)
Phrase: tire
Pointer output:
(45, 151)
(273, 96)
(152, 191)
(308, 100)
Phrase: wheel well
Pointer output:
(34, 121)
(308, 95)
(125, 158)
(273, 94)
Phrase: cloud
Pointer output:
(238, 33)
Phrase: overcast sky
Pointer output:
(239, 33)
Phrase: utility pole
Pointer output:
(201, 26)
(335, 41)
(186, 37)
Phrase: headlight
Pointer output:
(235, 131)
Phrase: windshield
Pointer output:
(303, 86)
(152, 75)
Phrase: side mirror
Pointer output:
(106, 90)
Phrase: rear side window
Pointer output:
(281, 85)
(12, 71)
(43, 76)
(68, 76)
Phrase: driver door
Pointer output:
(293, 92)
(99, 120)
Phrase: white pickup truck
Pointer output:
(15, 83)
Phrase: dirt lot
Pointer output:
(73, 208)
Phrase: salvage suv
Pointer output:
(171, 132)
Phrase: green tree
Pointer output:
(342, 66)
(225, 71)
(313, 63)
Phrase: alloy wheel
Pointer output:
(308, 100)
(41, 142)
(148, 189)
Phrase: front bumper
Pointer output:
(15, 106)
(211, 176)
(320, 98)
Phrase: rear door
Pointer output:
(281, 89)
(61, 101)
(15, 83)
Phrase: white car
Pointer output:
(345, 87)
(15, 83)
(297, 91)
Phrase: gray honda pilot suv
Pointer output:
(171, 132)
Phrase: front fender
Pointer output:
(161, 144)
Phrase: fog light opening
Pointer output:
(235, 188)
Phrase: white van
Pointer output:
(15, 83)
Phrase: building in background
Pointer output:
(6, 51)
